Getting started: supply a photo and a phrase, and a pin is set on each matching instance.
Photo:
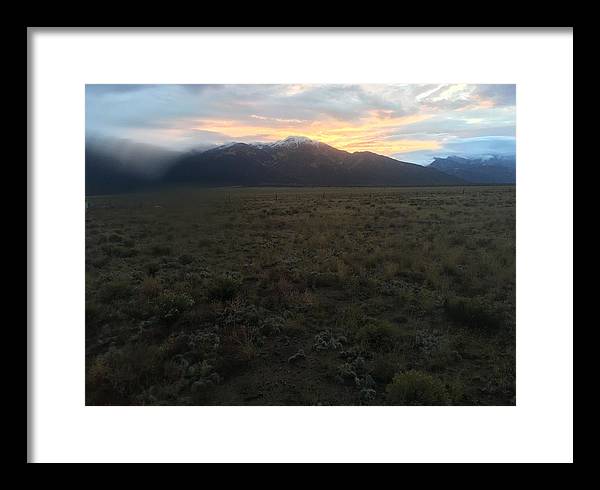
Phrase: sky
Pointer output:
(413, 123)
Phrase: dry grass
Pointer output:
(237, 280)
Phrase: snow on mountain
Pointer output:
(289, 142)
(294, 142)
(484, 169)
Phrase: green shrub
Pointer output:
(186, 259)
(150, 287)
(294, 325)
(223, 288)
(323, 280)
(350, 319)
(416, 388)
(160, 250)
(116, 289)
(384, 369)
(115, 376)
(92, 312)
(152, 268)
(119, 251)
(272, 326)
(380, 336)
(171, 305)
(473, 313)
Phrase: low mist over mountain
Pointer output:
(293, 161)
(120, 165)
(479, 170)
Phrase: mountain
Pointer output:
(117, 166)
(298, 161)
(481, 170)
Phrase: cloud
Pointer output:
(494, 145)
(464, 96)
(464, 147)
(107, 89)
(390, 119)
(500, 95)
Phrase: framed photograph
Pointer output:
(300, 245)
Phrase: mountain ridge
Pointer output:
(293, 161)
(488, 169)
(299, 161)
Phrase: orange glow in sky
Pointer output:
(367, 134)
(411, 122)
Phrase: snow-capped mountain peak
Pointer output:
(289, 142)
(294, 142)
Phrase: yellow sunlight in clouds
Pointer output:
(371, 133)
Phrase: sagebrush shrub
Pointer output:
(416, 388)
(152, 268)
(323, 279)
(171, 305)
(120, 372)
(223, 288)
(473, 313)
(186, 259)
(150, 287)
(160, 250)
(384, 369)
(116, 289)
(119, 251)
(378, 336)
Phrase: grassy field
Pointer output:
(301, 296)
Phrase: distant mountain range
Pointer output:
(480, 170)
(294, 161)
